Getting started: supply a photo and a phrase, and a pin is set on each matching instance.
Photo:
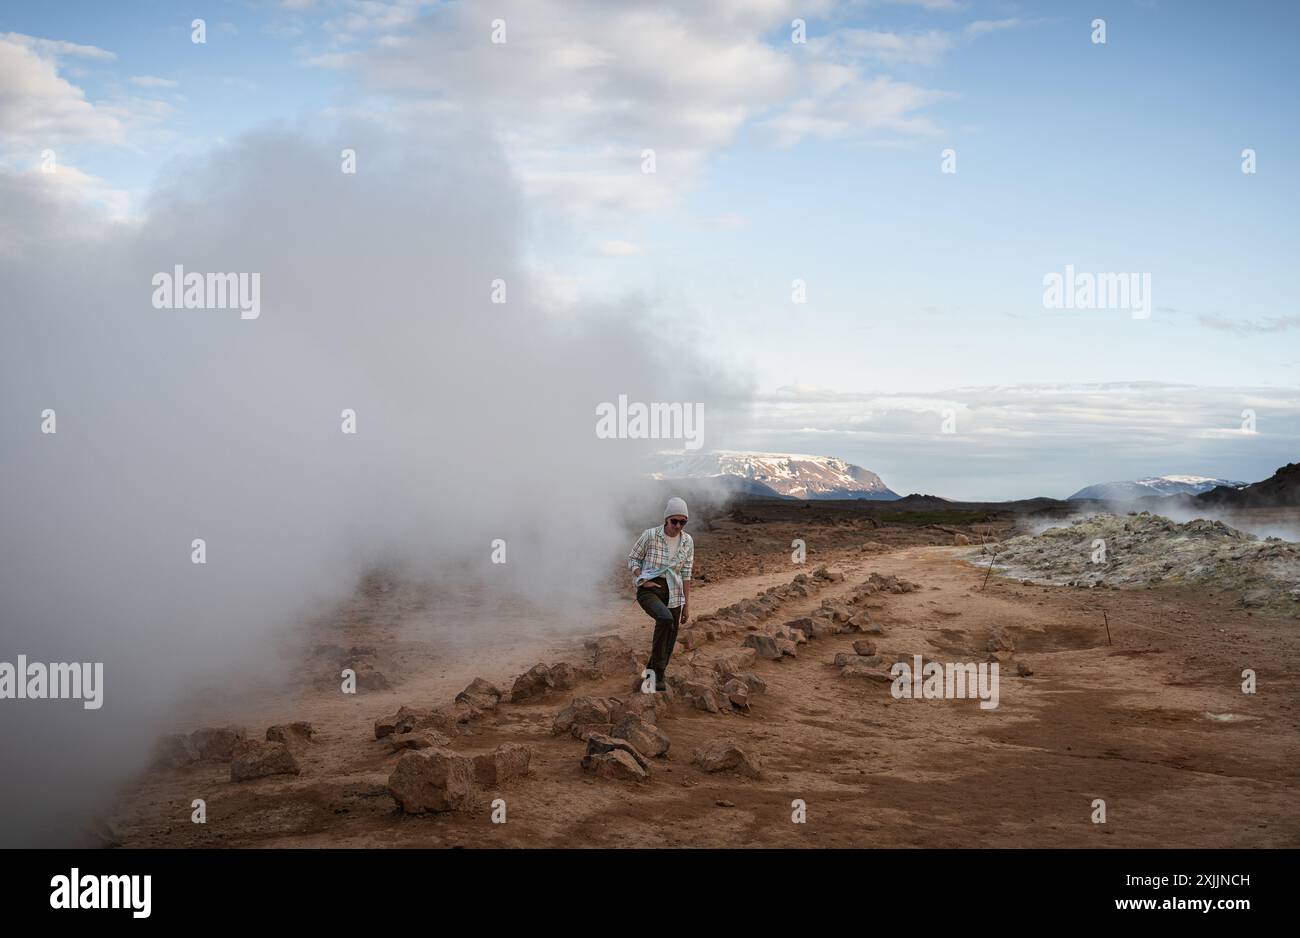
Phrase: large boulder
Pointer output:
(217, 742)
(433, 780)
(502, 764)
(534, 682)
(726, 755)
(253, 758)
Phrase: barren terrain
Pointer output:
(1141, 707)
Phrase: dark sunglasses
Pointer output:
(676, 522)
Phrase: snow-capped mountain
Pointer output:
(790, 474)
(1157, 485)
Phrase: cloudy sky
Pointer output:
(777, 161)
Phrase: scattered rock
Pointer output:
(436, 779)
(217, 742)
(864, 646)
(867, 673)
(407, 719)
(253, 758)
(419, 739)
(480, 694)
(755, 683)
(369, 679)
(794, 635)
(764, 646)
(840, 613)
(581, 710)
(737, 692)
(702, 696)
(646, 738)
(612, 656)
(691, 639)
(843, 659)
(615, 764)
(1000, 640)
(174, 751)
(733, 660)
(534, 682)
(862, 623)
(502, 764)
(293, 735)
(1023, 670)
(599, 743)
(564, 675)
(725, 755)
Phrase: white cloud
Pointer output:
(581, 88)
(1266, 325)
(982, 27)
(151, 81)
(619, 249)
(891, 48)
(38, 108)
(56, 48)
(1025, 440)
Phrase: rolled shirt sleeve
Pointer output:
(636, 559)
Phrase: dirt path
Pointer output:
(1127, 723)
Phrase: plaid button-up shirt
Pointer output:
(650, 555)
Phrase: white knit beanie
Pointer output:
(676, 506)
